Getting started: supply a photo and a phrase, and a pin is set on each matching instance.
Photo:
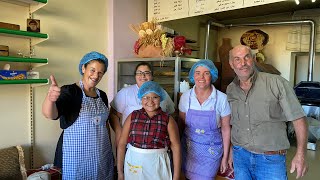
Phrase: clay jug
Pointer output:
(227, 73)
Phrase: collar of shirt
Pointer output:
(136, 85)
(159, 110)
(252, 78)
(213, 94)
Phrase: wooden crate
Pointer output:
(9, 26)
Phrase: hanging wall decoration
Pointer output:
(33, 25)
(256, 40)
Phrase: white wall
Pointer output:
(74, 28)
(275, 51)
(303, 66)
(194, 28)
(124, 13)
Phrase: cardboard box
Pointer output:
(9, 26)
(12, 75)
(4, 50)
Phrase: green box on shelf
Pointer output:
(12, 75)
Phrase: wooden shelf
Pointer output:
(168, 73)
(25, 81)
(33, 4)
(34, 36)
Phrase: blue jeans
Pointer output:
(252, 166)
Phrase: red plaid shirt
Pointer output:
(149, 133)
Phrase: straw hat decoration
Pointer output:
(151, 34)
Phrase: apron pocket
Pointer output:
(203, 159)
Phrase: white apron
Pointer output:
(87, 152)
(147, 164)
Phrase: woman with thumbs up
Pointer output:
(84, 148)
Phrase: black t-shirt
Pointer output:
(69, 105)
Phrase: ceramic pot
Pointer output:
(227, 73)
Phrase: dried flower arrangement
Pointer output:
(152, 41)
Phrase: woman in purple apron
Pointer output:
(204, 114)
(84, 148)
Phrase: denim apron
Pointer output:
(147, 164)
(201, 144)
(87, 152)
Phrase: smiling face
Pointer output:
(143, 74)
(150, 102)
(202, 77)
(93, 73)
(242, 62)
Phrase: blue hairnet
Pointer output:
(93, 55)
(151, 87)
(207, 64)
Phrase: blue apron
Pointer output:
(87, 152)
(201, 144)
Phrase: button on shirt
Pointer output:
(259, 117)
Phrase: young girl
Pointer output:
(147, 133)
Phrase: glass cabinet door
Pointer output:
(168, 72)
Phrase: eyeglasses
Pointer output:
(150, 98)
(145, 73)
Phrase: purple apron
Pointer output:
(201, 144)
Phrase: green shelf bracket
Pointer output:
(23, 33)
(32, 63)
(25, 81)
(34, 36)
(42, 1)
(24, 60)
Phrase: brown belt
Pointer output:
(282, 152)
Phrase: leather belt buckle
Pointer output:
(280, 152)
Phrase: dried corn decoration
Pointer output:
(151, 33)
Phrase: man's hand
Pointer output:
(230, 159)
(298, 163)
(54, 90)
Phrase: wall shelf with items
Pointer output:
(25, 81)
(34, 62)
(18, 41)
(33, 4)
(35, 37)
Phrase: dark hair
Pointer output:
(33, 21)
(98, 60)
(144, 64)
